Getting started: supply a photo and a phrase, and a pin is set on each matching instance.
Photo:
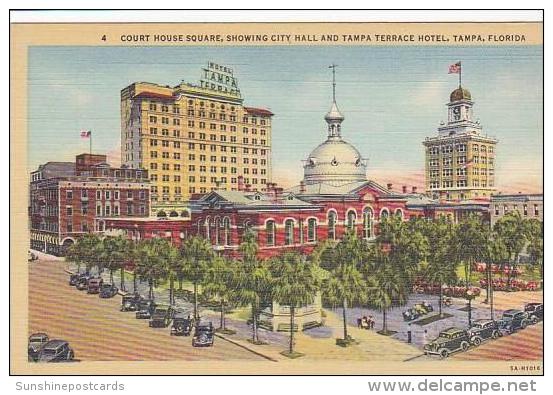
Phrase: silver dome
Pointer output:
(334, 162)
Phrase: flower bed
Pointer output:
(500, 284)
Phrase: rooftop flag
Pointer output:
(86, 134)
(455, 68)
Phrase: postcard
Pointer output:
(348, 198)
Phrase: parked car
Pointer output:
(31, 256)
(108, 290)
(482, 330)
(182, 326)
(203, 335)
(56, 351)
(513, 320)
(130, 302)
(74, 279)
(145, 308)
(535, 312)
(94, 285)
(82, 283)
(36, 342)
(448, 341)
(162, 316)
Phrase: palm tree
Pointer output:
(295, 285)
(253, 279)
(442, 273)
(390, 288)
(115, 253)
(86, 251)
(149, 264)
(469, 245)
(220, 281)
(345, 284)
(196, 253)
(171, 261)
(512, 230)
(495, 252)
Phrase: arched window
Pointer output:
(351, 217)
(226, 226)
(384, 213)
(217, 224)
(311, 230)
(398, 213)
(367, 223)
(270, 232)
(207, 232)
(289, 232)
(332, 225)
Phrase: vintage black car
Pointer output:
(36, 342)
(182, 326)
(513, 320)
(203, 335)
(130, 302)
(74, 279)
(56, 351)
(448, 341)
(145, 308)
(482, 330)
(94, 285)
(82, 283)
(162, 316)
(108, 290)
(535, 312)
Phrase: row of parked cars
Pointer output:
(158, 315)
(453, 340)
(93, 285)
(163, 315)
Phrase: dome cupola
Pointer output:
(335, 161)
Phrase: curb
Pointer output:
(246, 347)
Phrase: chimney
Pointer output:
(278, 192)
(404, 188)
(413, 189)
(240, 183)
(389, 185)
(302, 186)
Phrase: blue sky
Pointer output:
(392, 98)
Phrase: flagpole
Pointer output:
(90, 143)
(460, 71)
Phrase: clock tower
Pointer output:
(460, 160)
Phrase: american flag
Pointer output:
(467, 164)
(455, 68)
(85, 134)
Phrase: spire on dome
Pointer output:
(334, 117)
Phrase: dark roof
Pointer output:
(258, 111)
(54, 343)
(153, 95)
(57, 169)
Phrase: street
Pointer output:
(98, 331)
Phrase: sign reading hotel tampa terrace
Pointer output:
(220, 78)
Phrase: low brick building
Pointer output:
(66, 198)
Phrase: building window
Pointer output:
(311, 230)
(289, 232)
(398, 213)
(226, 227)
(536, 210)
(525, 207)
(367, 222)
(270, 231)
(69, 211)
(496, 209)
(69, 195)
(384, 213)
(351, 220)
(331, 225)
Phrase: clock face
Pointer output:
(456, 110)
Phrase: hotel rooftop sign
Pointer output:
(220, 79)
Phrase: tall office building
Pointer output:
(460, 160)
(194, 138)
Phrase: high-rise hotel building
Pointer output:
(460, 160)
(193, 138)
